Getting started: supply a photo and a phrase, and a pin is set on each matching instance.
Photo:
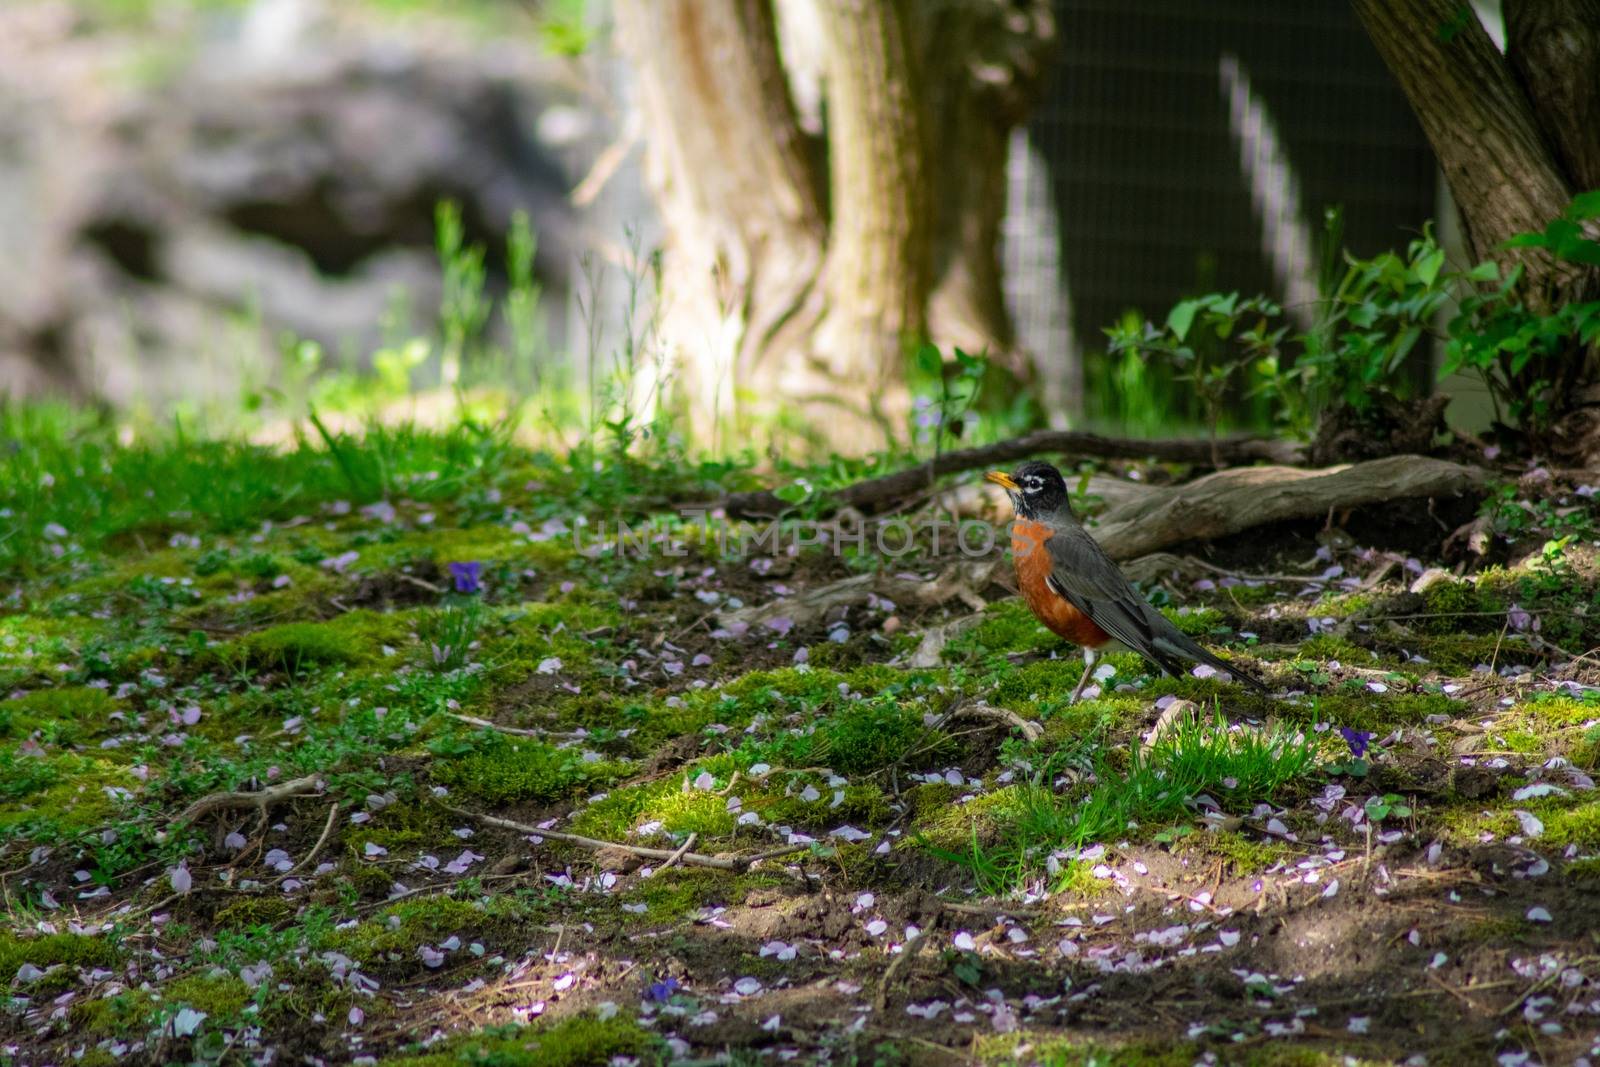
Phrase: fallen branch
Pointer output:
(260, 800)
(878, 494)
(1218, 505)
(722, 861)
(1232, 501)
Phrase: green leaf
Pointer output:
(794, 492)
(1428, 267)
(1526, 240)
(1585, 205)
(1580, 250)
(1181, 317)
(927, 360)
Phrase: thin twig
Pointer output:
(327, 831)
(422, 583)
(996, 908)
(908, 950)
(683, 850)
(1494, 660)
(723, 862)
(485, 724)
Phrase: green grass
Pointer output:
(182, 633)
(1236, 767)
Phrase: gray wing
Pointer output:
(1083, 574)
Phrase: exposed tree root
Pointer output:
(261, 800)
(1031, 731)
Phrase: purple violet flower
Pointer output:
(467, 577)
(661, 991)
(1357, 740)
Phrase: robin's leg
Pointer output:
(1088, 669)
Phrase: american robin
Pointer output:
(1074, 588)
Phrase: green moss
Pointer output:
(1025, 1047)
(1585, 872)
(1496, 929)
(1558, 711)
(402, 929)
(72, 950)
(1234, 698)
(1323, 647)
(1451, 607)
(863, 805)
(221, 997)
(1197, 622)
(1458, 653)
(677, 893)
(867, 736)
(695, 812)
(60, 794)
(1569, 820)
(929, 799)
(352, 638)
(1362, 709)
(954, 825)
(1007, 627)
(509, 772)
(123, 1015)
(1042, 685)
(1243, 855)
(251, 912)
(487, 544)
(1253, 595)
(1578, 825)
(370, 882)
(580, 1041)
(62, 713)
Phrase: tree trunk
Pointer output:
(1517, 136)
(984, 74)
(734, 180)
(1554, 47)
(1483, 131)
(877, 266)
(770, 300)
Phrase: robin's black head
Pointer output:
(1036, 489)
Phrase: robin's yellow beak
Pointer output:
(1002, 479)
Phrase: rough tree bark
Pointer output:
(794, 273)
(1517, 135)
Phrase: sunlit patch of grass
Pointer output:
(1236, 767)
(1571, 819)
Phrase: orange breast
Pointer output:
(1034, 565)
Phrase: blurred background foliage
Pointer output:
(231, 213)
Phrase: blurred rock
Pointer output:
(274, 172)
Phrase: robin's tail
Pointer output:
(1170, 649)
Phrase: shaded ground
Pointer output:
(1031, 889)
